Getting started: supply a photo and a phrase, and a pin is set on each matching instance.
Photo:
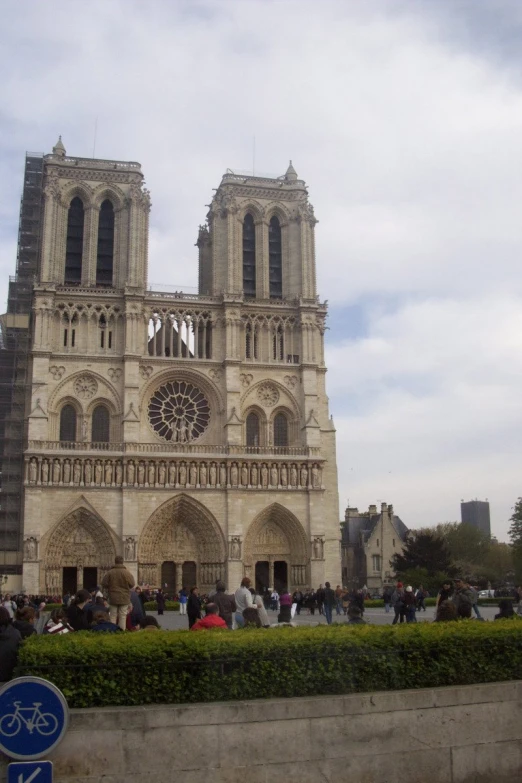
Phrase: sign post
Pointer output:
(34, 717)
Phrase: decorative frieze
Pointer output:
(171, 474)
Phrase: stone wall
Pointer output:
(468, 734)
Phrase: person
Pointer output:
(118, 582)
(9, 605)
(409, 604)
(261, 611)
(419, 597)
(150, 623)
(57, 623)
(506, 610)
(101, 622)
(274, 600)
(10, 640)
(518, 599)
(193, 606)
(297, 599)
(76, 616)
(462, 594)
(474, 602)
(211, 619)
(446, 612)
(329, 601)
(99, 605)
(355, 616)
(243, 599)
(137, 613)
(252, 618)
(397, 601)
(183, 599)
(319, 597)
(25, 621)
(338, 600)
(160, 601)
(285, 607)
(225, 603)
(444, 593)
(386, 597)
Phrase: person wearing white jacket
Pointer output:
(261, 611)
(243, 599)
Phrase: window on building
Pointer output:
(275, 262)
(249, 256)
(100, 429)
(74, 244)
(281, 431)
(278, 344)
(376, 562)
(252, 430)
(68, 423)
(105, 254)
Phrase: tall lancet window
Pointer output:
(249, 256)
(105, 255)
(275, 262)
(74, 247)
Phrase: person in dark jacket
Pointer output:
(160, 601)
(409, 603)
(225, 603)
(285, 607)
(10, 640)
(193, 606)
(24, 622)
(76, 616)
(328, 602)
(506, 610)
(101, 622)
(138, 613)
(354, 616)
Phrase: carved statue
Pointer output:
(108, 473)
(304, 476)
(316, 479)
(318, 548)
(33, 471)
(77, 472)
(119, 474)
(130, 473)
(264, 476)
(57, 471)
(162, 473)
(213, 474)
(255, 474)
(45, 471)
(88, 472)
(203, 475)
(235, 548)
(223, 474)
(234, 475)
(182, 475)
(172, 474)
(151, 474)
(30, 549)
(293, 476)
(244, 475)
(85, 430)
(273, 476)
(130, 549)
(193, 474)
(67, 471)
(98, 472)
(141, 474)
(284, 476)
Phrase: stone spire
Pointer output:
(291, 174)
(59, 149)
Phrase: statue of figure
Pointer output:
(162, 473)
(67, 471)
(244, 474)
(88, 472)
(254, 475)
(233, 475)
(223, 474)
(108, 473)
(293, 476)
(45, 471)
(304, 476)
(235, 548)
(182, 475)
(284, 476)
(85, 430)
(130, 549)
(172, 474)
(141, 473)
(130, 473)
(203, 475)
(57, 471)
(273, 476)
(316, 479)
(318, 548)
(30, 549)
(151, 474)
(98, 472)
(33, 470)
(193, 473)
(119, 474)
(213, 474)
(183, 431)
(77, 472)
(264, 476)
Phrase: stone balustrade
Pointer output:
(179, 448)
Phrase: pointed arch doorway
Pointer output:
(276, 550)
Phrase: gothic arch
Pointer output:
(80, 189)
(105, 390)
(286, 400)
(182, 530)
(255, 209)
(279, 211)
(111, 192)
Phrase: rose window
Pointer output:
(179, 412)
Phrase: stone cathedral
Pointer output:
(188, 432)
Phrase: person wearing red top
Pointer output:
(211, 619)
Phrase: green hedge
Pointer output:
(170, 606)
(182, 666)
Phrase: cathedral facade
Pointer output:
(188, 433)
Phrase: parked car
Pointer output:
(486, 594)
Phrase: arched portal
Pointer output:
(184, 533)
(276, 549)
(78, 553)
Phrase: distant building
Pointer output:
(476, 514)
(369, 540)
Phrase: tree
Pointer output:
(515, 534)
(424, 549)
(466, 544)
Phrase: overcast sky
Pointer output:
(405, 120)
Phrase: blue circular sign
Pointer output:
(34, 717)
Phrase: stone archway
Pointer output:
(80, 542)
(275, 538)
(182, 531)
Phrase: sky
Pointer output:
(405, 120)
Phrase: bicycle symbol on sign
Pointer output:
(45, 723)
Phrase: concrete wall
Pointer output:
(468, 734)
